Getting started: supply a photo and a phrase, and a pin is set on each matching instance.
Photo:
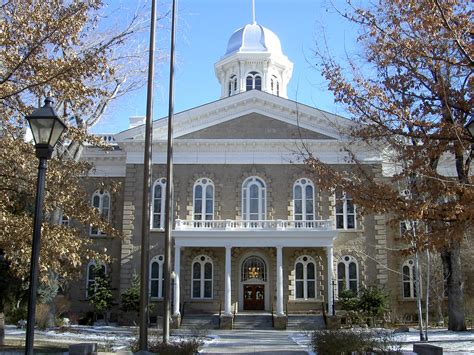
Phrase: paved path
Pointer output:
(253, 342)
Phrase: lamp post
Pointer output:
(470, 126)
(46, 128)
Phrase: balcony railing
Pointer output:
(232, 224)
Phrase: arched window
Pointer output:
(203, 199)
(100, 201)
(202, 277)
(345, 211)
(156, 276)
(303, 200)
(305, 277)
(347, 274)
(94, 270)
(233, 85)
(158, 204)
(275, 86)
(64, 220)
(253, 268)
(409, 279)
(254, 199)
(254, 81)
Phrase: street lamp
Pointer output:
(470, 126)
(46, 128)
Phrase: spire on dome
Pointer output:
(253, 12)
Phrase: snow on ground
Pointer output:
(119, 338)
(458, 343)
(453, 343)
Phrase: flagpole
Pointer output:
(169, 189)
(147, 172)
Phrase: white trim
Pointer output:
(303, 183)
(161, 182)
(156, 259)
(101, 194)
(305, 280)
(204, 187)
(261, 198)
(88, 280)
(344, 198)
(254, 238)
(202, 280)
(266, 283)
(410, 263)
(346, 278)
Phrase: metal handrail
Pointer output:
(273, 318)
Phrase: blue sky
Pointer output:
(205, 26)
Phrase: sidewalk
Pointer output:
(253, 342)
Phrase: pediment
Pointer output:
(249, 115)
(254, 126)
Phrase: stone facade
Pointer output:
(254, 250)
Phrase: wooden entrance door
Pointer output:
(254, 297)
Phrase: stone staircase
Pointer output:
(305, 322)
(253, 321)
(200, 321)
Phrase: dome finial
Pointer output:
(253, 12)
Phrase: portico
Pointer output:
(253, 235)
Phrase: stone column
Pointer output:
(329, 251)
(280, 320)
(279, 270)
(226, 321)
(176, 317)
(228, 288)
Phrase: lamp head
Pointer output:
(46, 128)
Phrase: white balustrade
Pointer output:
(233, 224)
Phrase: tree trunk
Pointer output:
(453, 275)
(2, 328)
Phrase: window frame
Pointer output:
(251, 81)
(347, 260)
(161, 182)
(158, 259)
(342, 196)
(101, 194)
(253, 261)
(204, 186)
(89, 280)
(410, 280)
(232, 85)
(202, 260)
(303, 183)
(305, 280)
(246, 198)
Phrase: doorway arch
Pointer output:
(253, 286)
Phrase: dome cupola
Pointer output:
(253, 38)
(254, 60)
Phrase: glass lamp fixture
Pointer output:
(46, 128)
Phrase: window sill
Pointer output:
(202, 299)
(349, 230)
(157, 229)
(305, 300)
(156, 299)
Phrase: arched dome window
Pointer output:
(232, 85)
(275, 85)
(254, 81)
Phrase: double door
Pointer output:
(254, 297)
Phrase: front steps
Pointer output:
(305, 322)
(247, 321)
(200, 321)
(253, 320)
